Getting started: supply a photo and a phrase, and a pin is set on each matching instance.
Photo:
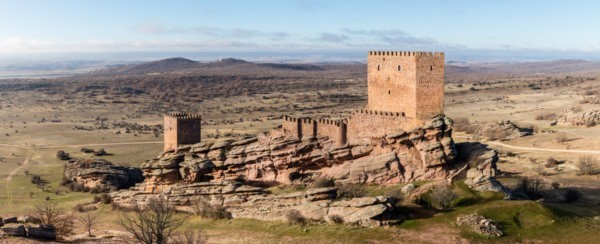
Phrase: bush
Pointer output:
(62, 155)
(587, 165)
(350, 191)
(531, 187)
(551, 162)
(105, 198)
(100, 152)
(323, 182)
(571, 195)
(442, 197)
(211, 211)
(336, 219)
(295, 217)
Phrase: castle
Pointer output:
(404, 90)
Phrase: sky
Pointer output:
(459, 27)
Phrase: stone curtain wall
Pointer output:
(291, 126)
(334, 129)
(369, 123)
(430, 86)
(181, 129)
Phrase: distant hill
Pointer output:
(546, 67)
(226, 65)
(160, 66)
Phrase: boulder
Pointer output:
(407, 189)
(590, 117)
(41, 232)
(101, 174)
(9, 220)
(503, 130)
(13, 229)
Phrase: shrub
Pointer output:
(62, 155)
(587, 165)
(336, 219)
(571, 195)
(441, 197)
(323, 182)
(105, 198)
(350, 191)
(295, 217)
(561, 138)
(100, 152)
(211, 211)
(551, 162)
(532, 187)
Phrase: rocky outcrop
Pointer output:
(587, 118)
(480, 171)
(101, 174)
(26, 226)
(244, 201)
(424, 153)
(503, 130)
(480, 225)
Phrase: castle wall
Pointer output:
(369, 123)
(406, 82)
(391, 81)
(308, 128)
(334, 129)
(430, 86)
(291, 126)
(170, 133)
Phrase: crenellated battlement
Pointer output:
(406, 54)
(182, 115)
(375, 112)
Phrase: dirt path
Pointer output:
(13, 173)
(497, 143)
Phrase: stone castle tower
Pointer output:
(181, 128)
(410, 83)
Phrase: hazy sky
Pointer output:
(298, 25)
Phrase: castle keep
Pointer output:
(404, 90)
(180, 129)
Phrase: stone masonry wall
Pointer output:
(406, 82)
(430, 86)
(181, 129)
(369, 123)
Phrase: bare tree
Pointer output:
(154, 224)
(441, 197)
(50, 213)
(88, 220)
(587, 165)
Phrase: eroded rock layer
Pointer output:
(424, 153)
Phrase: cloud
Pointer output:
(22, 45)
(209, 31)
(331, 37)
(393, 37)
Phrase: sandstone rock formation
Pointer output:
(243, 201)
(26, 226)
(481, 170)
(101, 174)
(421, 154)
(503, 130)
(480, 225)
(590, 117)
